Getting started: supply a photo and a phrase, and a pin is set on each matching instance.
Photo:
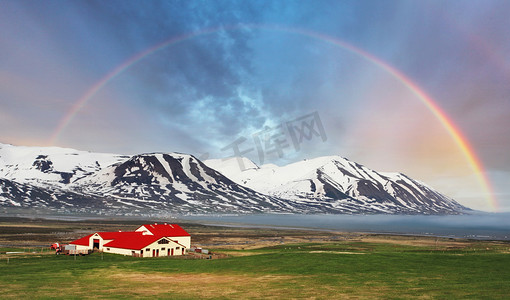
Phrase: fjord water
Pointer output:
(486, 226)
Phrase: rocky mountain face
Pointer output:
(78, 181)
(340, 185)
(51, 166)
(175, 182)
(68, 180)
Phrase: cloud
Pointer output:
(202, 93)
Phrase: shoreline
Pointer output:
(400, 225)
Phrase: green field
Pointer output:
(309, 270)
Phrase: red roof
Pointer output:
(165, 229)
(136, 240)
(119, 235)
(84, 241)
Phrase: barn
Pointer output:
(148, 240)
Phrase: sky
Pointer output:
(275, 81)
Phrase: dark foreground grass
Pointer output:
(330, 270)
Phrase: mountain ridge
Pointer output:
(335, 178)
(74, 180)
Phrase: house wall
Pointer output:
(163, 249)
(176, 244)
(143, 228)
(91, 243)
(183, 240)
(120, 251)
(80, 247)
(101, 241)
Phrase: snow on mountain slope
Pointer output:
(14, 194)
(267, 177)
(68, 179)
(51, 166)
(343, 185)
(178, 182)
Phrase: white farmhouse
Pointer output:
(148, 240)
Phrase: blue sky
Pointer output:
(248, 66)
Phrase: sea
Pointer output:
(475, 225)
(480, 226)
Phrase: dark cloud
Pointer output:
(231, 80)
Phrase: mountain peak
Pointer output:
(80, 181)
(344, 185)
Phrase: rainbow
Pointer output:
(456, 134)
(80, 103)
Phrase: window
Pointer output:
(163, 241)
(108, 249)
(177, 248)
(148, 249)
(162, 248)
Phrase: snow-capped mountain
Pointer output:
(14, 194)
(71, 180)
(339, 184)
(51, 166)
(79, 181)
(175, 182)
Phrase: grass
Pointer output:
(350, 269)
